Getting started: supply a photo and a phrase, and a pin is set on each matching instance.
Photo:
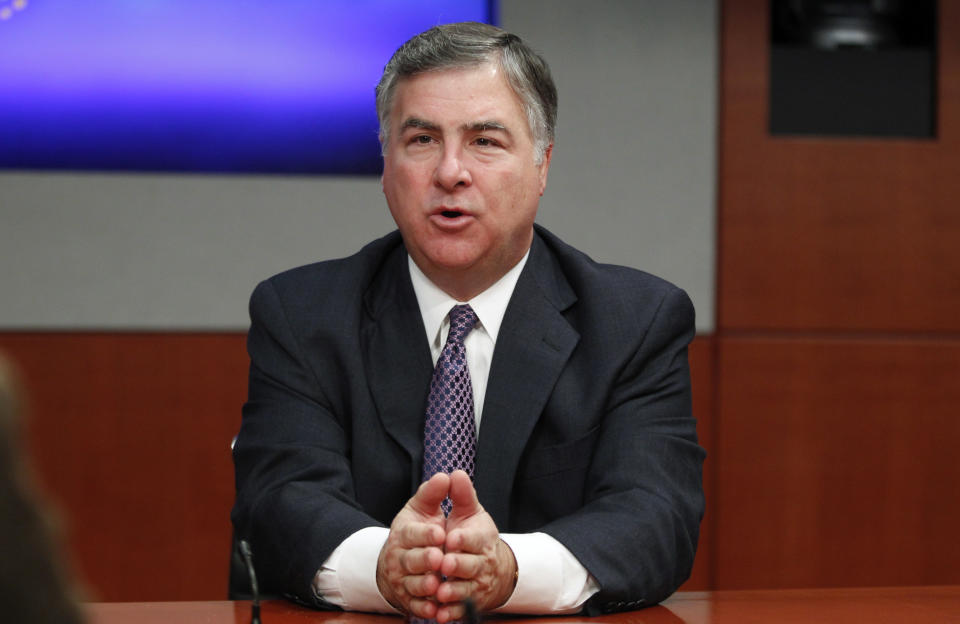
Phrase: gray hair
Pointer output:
(467, 44)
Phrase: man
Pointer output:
(586, 492)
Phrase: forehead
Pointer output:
(468, 94)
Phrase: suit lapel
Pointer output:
(397, 357)
(533, 345)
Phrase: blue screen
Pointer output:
(284, 86)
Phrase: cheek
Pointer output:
(517, 198)
(399, 187)
(411, 179)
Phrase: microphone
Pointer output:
(248, 559)
(471, 616)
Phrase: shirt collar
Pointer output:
(489, 306)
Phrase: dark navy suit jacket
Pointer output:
(586, 433)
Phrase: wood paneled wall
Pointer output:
(130, 437)
(834, 234)
(838, 342)
(837, 462)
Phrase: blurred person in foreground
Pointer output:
(33, 585)
(471, 364)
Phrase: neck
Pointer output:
(464, 282)
(461, 287)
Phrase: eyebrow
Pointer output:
(482, 126)
(479, 126)
(421, 124)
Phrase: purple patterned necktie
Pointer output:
(449, 431)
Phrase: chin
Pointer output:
(453, 257)
(453, 264)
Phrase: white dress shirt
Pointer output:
(550, 580)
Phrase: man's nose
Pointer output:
(451, 171)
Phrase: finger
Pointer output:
(450, 612)
(462, 494)
(461, 565)
(417, 534)
(422, 585)
(422, 607)
(455, 591)
(430, 494)
(470, 540)
(421, 560)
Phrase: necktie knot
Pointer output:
(462, 320)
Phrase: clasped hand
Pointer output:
(430, 564)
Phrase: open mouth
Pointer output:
(451, 214)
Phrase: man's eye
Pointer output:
(422, 139)
(484, 142)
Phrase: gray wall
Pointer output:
(632, 182)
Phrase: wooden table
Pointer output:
(874, 605)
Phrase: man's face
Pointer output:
(460, 176)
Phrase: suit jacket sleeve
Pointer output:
(295, 500)
(637, 531)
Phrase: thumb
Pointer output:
(462, 495)
(430, 494)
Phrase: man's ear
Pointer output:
(544, 167)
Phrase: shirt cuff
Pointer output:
(550, 579)
(348, 578)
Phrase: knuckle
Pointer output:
(408, 533)
(401, 563)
